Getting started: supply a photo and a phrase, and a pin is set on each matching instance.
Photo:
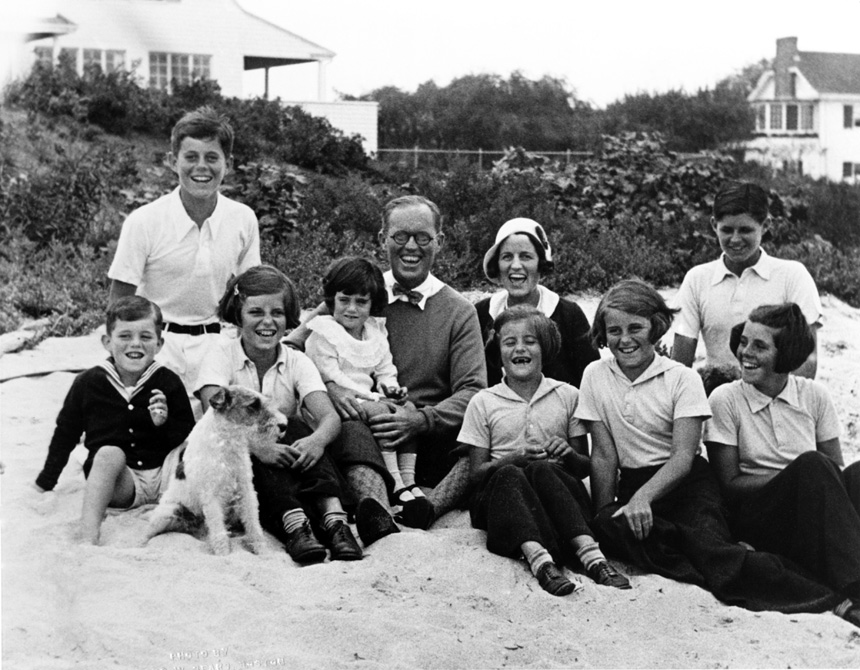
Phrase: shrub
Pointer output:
(61, 281)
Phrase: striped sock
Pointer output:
(330, 518)
(536, 555)
(294, 519)
(589, 553)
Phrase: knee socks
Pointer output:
(587, 551)
(294, 519)
(536, 555)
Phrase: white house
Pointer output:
(178, 40)
(807, 111)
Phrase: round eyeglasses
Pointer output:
(421, 239)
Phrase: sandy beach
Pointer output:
(434, 599)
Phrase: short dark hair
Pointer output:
(545, 267)
(546, 331)
(202, 124)
(259, 280)
(633, 296)
(794, 338)
(133, 308)
(737, 197)
(411, 201)
(352, 275)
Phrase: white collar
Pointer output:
(547, 302)
(428, 288)
(763, 267)
(109, 366)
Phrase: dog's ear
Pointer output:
(219, 400)
(252, 402)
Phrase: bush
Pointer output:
(61, 281)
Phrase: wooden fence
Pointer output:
(483, 158)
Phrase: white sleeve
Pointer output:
(132, 251)
(324, 357)
(688, 321)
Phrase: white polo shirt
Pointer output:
(182, 268)
(641, 414)
(771, 432)
(713, 299)
(287, 382)
(502, 421)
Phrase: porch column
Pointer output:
(321, 82)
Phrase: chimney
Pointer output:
(786, 54)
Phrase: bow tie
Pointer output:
(415, 297)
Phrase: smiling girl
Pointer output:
(350, 349)
(528, 454)
(516, 262)
(295, 478)
(774, 443)
(656, 500)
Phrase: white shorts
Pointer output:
(150, 484)
(184, 355)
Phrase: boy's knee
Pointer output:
(814, 460)
(109, 457)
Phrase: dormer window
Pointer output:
(792, 84)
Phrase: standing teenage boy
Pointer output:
(181, 250)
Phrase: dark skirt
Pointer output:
(541, 502)
(690, 542)
(806, 514)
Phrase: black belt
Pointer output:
(192, 330)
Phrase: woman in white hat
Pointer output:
(520, 255)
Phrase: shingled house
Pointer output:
(807, 111)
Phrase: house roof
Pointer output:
(188, 25)
(830, 73)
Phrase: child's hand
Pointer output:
(395, 393)
(309, 453)
(557, 448)
(158, 408)
(638, 515)
(533, 452)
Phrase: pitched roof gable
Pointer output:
(830, 73)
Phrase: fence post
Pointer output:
(415, 159)
(567, 158)
(480, 158)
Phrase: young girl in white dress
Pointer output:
(350, 349)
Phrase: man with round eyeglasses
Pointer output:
(435, 340)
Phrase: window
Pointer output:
(847, 116)
(792, 84)
(166, 68)
(791, 117)
(807, 117)
(847, 170)
(776, 117)
(44, 55)
(761, 117)
(158, 71)
(114, 60)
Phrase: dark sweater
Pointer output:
(95, 407)
(437, 352)
(576, 348)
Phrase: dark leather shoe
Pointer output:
(553, 582)
(342, 543)
(605, 575)
(303, 546)
(417, 513)
(373, 522)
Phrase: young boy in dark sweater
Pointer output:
(134, 413)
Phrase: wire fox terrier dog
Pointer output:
(213, 482)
